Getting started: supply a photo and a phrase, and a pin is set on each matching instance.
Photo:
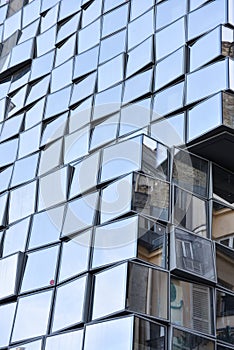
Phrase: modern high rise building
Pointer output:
(116, 174)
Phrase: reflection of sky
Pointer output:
(36, 345)
(7, 313)
(71, 341)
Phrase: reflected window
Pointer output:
(224, 317)
(224, 264)
(223, 184)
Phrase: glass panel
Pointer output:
(36, 304)
(85, 175)
(3, 209)
(70, 296)
(46, 227)
(29, 32)
(49, 18)
(18, 208)
(75, 255)
(80, 214)
(228, 103)
(168, 100)
(29, 141)
(71, 341)
(51, 157)
(38, 90)
(65, 51)
(111, 72)
(54, 129)
(207, 81)
(191, 306)
(115, 20)
(111, 285)
(140, 29)
(22, 52)
(116, 161)
(10, 270)
(170, 38)
(46, 41)
(44, 276)
(184, 340)
(138, 86)
(190, 172)
(86, 62)
(138, 7)
(101, 335)
(225, 264)
(168, 12)
(57, 102)
(205, 116)
(53, 188)
(223, 181)
(89, 36)
(7, 312)
(224, 317)
(11, 127)
(24, 170)
(112, 46)
(91, 12)
(76, 145)
(34, 114)
(83, 88)
(17, 101)
(16, 237)
(8, 152)
(169, 69)
(104, 132)
(5, 176)
(222, 227)
(81, 115)
(42, 65)
(67, 9)
(31, 12)
(190, 212)
(68, 28)
(170, 131)
(20, 78)
(193, 254)
(36, 345)
(61, 76)
(12, 24)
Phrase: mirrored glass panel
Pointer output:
(140, 29)
(75, 255)
(46, 41)
(8, 151)
(22, 52)
(54, 129)
(29, 141)
(190, 212)
(51, 157)
(112, 46)
(65, 51)
(68, 28)
(11, 127)
(80, 214)
(89, 36)
(86, 62)
(223, 189)
(57, 102)
(61, 76)
(42, 65)
(7, 313)
(34, 277)
(83, 88)
(24, 170)
(16, 237)
(71, 340)
(191, 306)
(5, 176)
(3, 209)
(168, 12)
(139, 85)
(70, 296)
(224, 264)
(68, 9)
(76, 145)
(183, 340)
(224, 316)
(10, 271)
(111, 72)
(29, 306)
(35, 345)
(80, 115)
(104, 132)
(193, 254)
(115, 20)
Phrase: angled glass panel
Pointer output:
(38, 90)
(85, 175)
(30, 306)
(20, 78)
(5, 176)
(89, 36)
(169, 100)
(104, 132)
(170, 38)
(50, 18)
(183, 340)
(170, 131)
(42, 65)
(140, 29)
(168, 12)
(224, 264)
(224, 317)
(54, 129)
(214, 12)
(10, 271)
(31, 12)
(46, 41)
(86, 62)
(76, 145)
(29, 32)
(205, 116)
(101, 335)
(121, 158)
(35, 345)
(29, 141)
(138, 7)
(190, 172)
(139, 85)
(16, 237)
(67, 9)
(207, 81)
(111, 72)
(112, 46)
(46, 227)
(7, 313)
(71, 340)
(24, 170)
(51, 157)
(35, 114)
(80, 214)
(193, 254)
(5, 84)
(107, 102)
(70, 296)
(84, 88)
(223, 189)
(170, 68)
(68, 28)
(22, 52)
(75, 255)
(34, 277)
(222, 218)
(53, 188)
(80, 115)
(8, 151)
(110, 4)
(190, 212)
(17, 101)
(18, 208)
(92, 12)
(195, 4)
(57, 102)
(3, 210)
(47, 4)
(65, 51)
(115, 20)
(227, 107)
(140, 57)
(12, 24)
(199, 317)
(61, 76)
(11, 127)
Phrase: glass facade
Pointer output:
(116, 174)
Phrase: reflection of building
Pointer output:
(116, 174)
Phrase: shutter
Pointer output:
(201, 309)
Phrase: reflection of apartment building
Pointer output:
(116, 174)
